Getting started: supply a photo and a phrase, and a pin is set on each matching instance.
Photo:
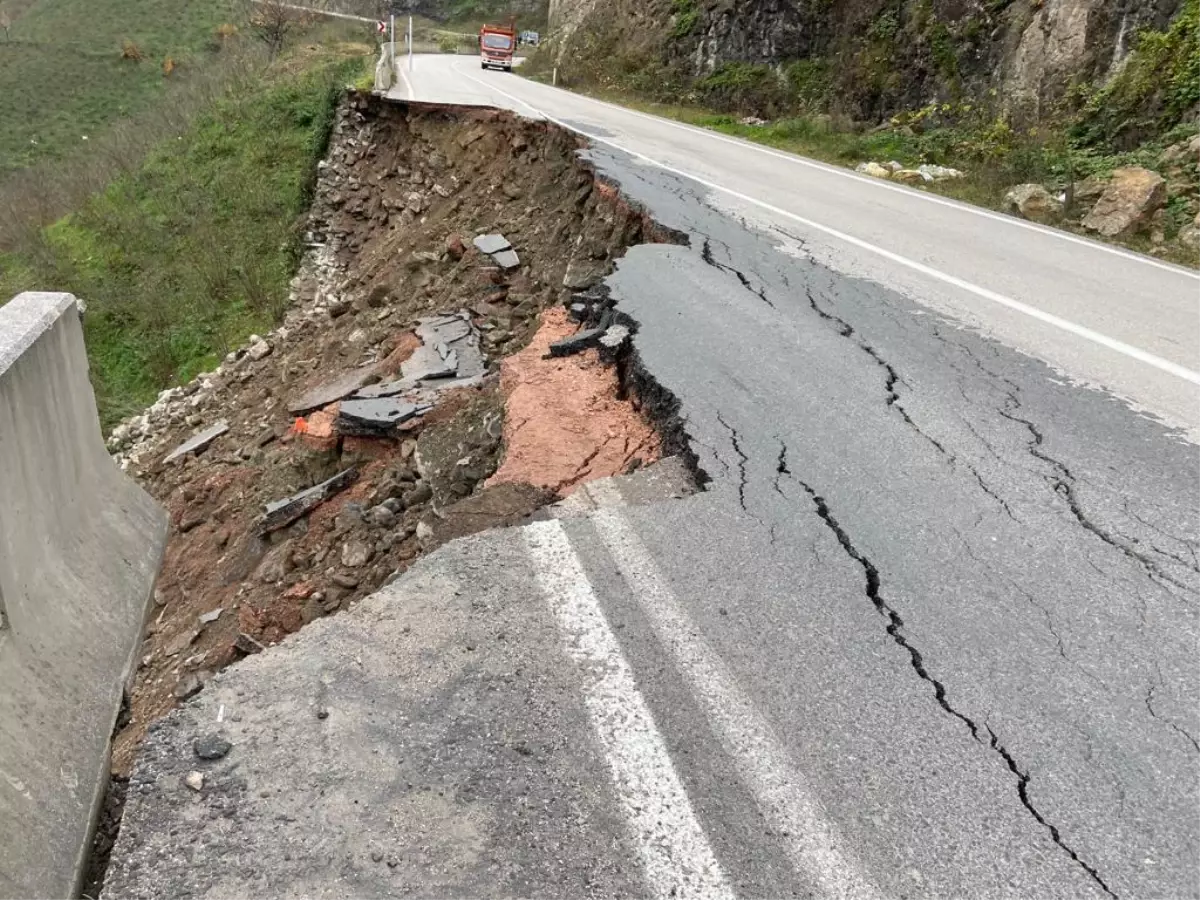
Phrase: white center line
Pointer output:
(1081, 331)
(814, 846)
(676, 857)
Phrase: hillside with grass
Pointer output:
(184, 254)
(69, 69)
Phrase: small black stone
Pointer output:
(211, 746)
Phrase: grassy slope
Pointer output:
(183, 259)
(62, 75)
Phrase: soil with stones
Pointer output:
(391, 242)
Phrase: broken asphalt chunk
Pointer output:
(497, 246)
(491, 243)
(507, 259)
(384, 389)
(373, 418)
(426, 363)
(589, 337)
(331, 391)
(211, 616)
(283, 512)
(198, 442)
(443, 329)
(455, 341)
(614, 336)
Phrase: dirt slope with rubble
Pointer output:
(391, 248)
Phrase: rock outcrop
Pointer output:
(1128, 204)
(1033, 202)
(882, 56)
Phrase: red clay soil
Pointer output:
(564, 423)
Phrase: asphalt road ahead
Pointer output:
(932, 629)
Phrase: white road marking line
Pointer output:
(885, 185)
(1081, 331)
(676, 857)
(408, 88)
(605, 493)
(812, 842)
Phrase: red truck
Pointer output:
(496, 44)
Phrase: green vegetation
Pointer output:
(469, 15)
(181, 259)
(70, 69)
(993, 155)
(687, 15)
(861, 99)
(744, 86)
(1157, 88)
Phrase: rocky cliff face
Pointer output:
(1072, 40)
(880, 56)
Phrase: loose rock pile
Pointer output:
(318, 460)
(894, 171)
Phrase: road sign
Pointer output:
(381, 27)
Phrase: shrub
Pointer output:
(809, 81)
(686, 16)
(744, 88)
(1156, 89)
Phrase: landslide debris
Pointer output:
(566, 422)
(403, 401)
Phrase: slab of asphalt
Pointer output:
(954, 596)
(429, 742)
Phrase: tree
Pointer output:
(272, 21)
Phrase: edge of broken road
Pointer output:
(634, 382)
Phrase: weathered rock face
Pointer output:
(1128, 204)
(757, 31)
(1069, 40)
(886, 55)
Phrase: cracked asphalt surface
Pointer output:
(1026, 550)
(962, 588)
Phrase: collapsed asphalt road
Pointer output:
(963, 591)
(929, 632)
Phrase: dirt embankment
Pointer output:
(391, 289)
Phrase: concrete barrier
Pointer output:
(385, 74)
(80, 546)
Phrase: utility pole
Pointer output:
(410, 43)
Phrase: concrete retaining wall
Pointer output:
(80, 545)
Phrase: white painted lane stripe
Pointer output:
(1010, 221)
(604, 493)
(815, 848)
(408, 88)
(1081, 331)
(676, 857)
